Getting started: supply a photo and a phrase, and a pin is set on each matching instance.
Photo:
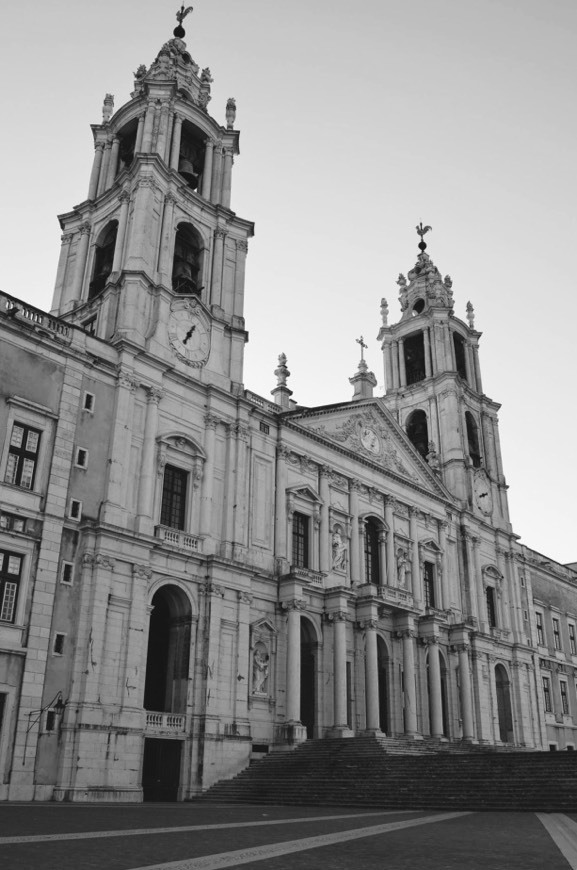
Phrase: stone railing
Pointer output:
(314, 577)
(180, 539)
(173, 722)
(18, 310)
(262, 403)
(397, 597)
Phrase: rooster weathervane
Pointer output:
(421, 230)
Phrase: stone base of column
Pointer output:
(293, 733)
(340, 731)
(373, 732)
(144, 526)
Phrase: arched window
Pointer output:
(186, 267)
(418, 432)
(473, 440)
(459, 345)
(191, 155)
(103, 259)
(414, 350)
(372, 555)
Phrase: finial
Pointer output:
(385, 311)
(282, 373)
(230, 113)
(421, 230)
(361, 341)
(179, 30)
(471, 315)
(107, 108)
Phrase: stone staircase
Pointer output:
(375, 773)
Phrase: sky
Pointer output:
(358, 121)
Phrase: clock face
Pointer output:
(370, 440)
(189, 335)
(482, 493)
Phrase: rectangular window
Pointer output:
(12, 523)
(547, 694)
(75, 509)
(10, 574)
(50, 720)
(556, 634)
(372, 562)
(564, 697)
(81, 457)
(540, 632)
(58, 645)
(526, 615)
(429, 584)
(173, 508)
(264, 427)
(22, 456)
(300, 540)
(88, 403)
(572, 640)
(66, 573)
(491, 609)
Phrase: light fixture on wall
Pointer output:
(57, 705)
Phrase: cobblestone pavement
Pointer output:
(191, 837)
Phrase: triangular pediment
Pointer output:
(306, 492)
(368, 431)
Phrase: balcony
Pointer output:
(178, 538)
(173, 723)
(396, 597)
(315, 578)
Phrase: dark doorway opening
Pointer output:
(383, 664)
(308, 673)
(161, 769)
(504, 710)
(168, 655)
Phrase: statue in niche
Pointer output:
(339, 548)
(402, 568)
(260, 665)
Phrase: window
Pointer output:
(75, 511)
(103, 259)
(418, 432)
(491, 609)
(547, 694)
(572, 640)
(22, 456)
(460, 351)
(67, 573)
(414, 352)
(186, 263)
(10, 575)
(58, 645)
(81, 457)
(89, 326)
(372, 561)
(564, 697)
(88, 404)
(540, 632)
(300, 526)
(429, 584)
(473, 440)
(556, 634)
(264, 427)
(526, 616)
(50, 720)
(12, 523)
(173, 508)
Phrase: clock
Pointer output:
(482, 493)
(189, 334)
(370, 440)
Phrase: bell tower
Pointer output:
(154, 257)
(434, 388)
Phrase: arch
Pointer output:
(191, 154)
(473, 439)
(373, 528)
(460, 355)
(504, 709)
(383, 665)
(187, 260)
(103, 258)
(127, 136)
(414, 353)
(418, 307)
(418, 431)
(309, 656)
(168, 653)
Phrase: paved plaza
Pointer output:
(193, 836)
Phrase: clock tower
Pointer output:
(153, 260)
(434, 388)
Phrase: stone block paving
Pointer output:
(120, 837)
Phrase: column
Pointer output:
(139, 133)
(477, 368)
(339, 620)
(113, 162)
(391, 560)
(325, 530)
(116, 490)
(280, 505)
(469, 365)
(166, 245)
(176, 134)
(216, 173)
(239, 273)
(207, 171)
(415, 565)
(293, 661)
(427, 344)
(162, 130)
(395, 361)
(227, 177)
(147, 466)
(371, 676)
(95, 174)
(148, 128)
(449, 347)
(124, 199)
(210, 422)
(465, 692)
(81, 255)
(104, 168)
(217, 263)
(102, 579)
(383, 579)
(436, 704)
(444, 565)
(354, 509)
(471, 582)
(57, 300)
(402, 367)
(410, 689)
(478, 581)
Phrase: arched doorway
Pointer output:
(383, 676)
(308, 676)
(504, 710)
(165, 688)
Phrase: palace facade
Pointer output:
(192, 575)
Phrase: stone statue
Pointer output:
(471, 315)
(432, 457)
(107, 108)
(402, 568)
(260, 671)
(385, 311)
(205, 75)
(230, 113)
(339, 548)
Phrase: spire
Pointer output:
(425, 288)
(281, 392)
(363, 381)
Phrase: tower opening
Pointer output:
(459, 345)
(473, 440)
(103, 259)
(191, 155)
(308, 676)
(414, 350)
(187, 260)
(418, 432)
(372, 555)
(418, 307)
(127, 138)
